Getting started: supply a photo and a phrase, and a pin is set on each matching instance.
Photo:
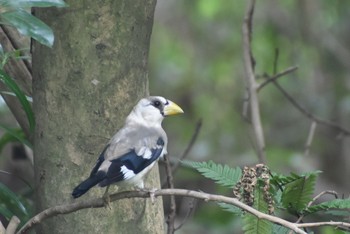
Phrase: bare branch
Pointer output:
(309, 114)
(12, 226)
(172, 213)
(191, 207)
(319, 224)
(190, 145)
(313, 201)
(278, 75)
(310, 137)
(251, 82)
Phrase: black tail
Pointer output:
(87, 184)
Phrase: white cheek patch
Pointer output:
(145, 152)
(127, 173)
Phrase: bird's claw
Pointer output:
(107, 199)
(152, 195)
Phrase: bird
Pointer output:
(132, 152)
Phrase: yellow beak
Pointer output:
(172, 109)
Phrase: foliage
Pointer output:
(337, 204)
(252, 224)
(14, 13)
(11, 205)
(11, 84)
(222, 174)
(292, 192)
(297, 190)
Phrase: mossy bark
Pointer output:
(83, 88)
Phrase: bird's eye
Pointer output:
(156, 103)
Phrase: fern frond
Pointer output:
(252, 224)
(221, 174)
(336, 204)
(230, 208)
(278, 229)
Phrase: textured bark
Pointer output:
(83, 89)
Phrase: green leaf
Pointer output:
(11, 204)
(29, 25)
(252, 224)
(278, 229)
(338, 204)
(344, 213)
(281, 180)
(297, 194)
(30, 99)
(34, 3)
(230, 208)
(5, 212)
(13, 135)
(21, 97)
(222, 174)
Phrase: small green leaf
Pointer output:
(29, 25)
(281, 180)
(5, 212)
(336, 204)
(222, 174)
(30, 99)
(230, 208)
(297, 194)
(21, 97)
(36, 3)
(278, 229)
(12, 204)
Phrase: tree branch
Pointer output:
(99, 202)
(251, 82)
(310, 138)
(12, 226)
(172, 213)
(309, 114)
(275, 77)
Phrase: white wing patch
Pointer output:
(127, 173)
(144, 152)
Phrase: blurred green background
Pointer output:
(196, 60)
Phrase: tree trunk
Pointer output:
(83, 88)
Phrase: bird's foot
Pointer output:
(107, 200)
(151, 194)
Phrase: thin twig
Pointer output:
(310, 137)
(190, 145)
(190, 211)
(251, 82)
(2, 228)
(309, 114)
(275, 77)
(176, 163)
(12, 226)
(172, 213)
(319, 224)
(314, 200)
(17, 177)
